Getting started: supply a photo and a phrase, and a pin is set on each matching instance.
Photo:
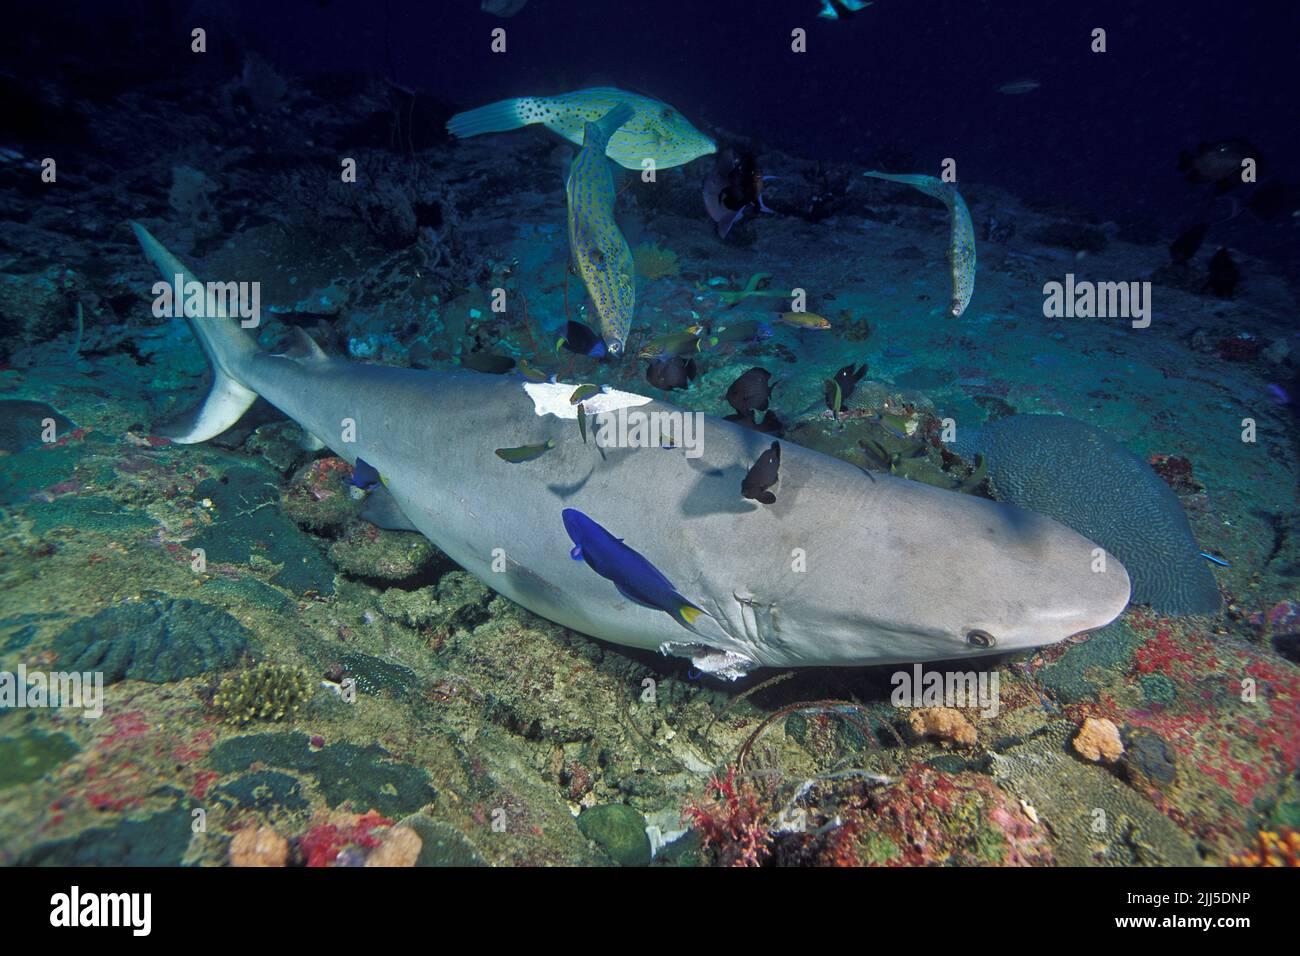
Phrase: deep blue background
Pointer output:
(1103, 131)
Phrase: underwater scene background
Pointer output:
(984, 550)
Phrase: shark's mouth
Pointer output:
(711, 660)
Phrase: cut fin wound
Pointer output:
(224, 343)
(712, 660)
(382, 511)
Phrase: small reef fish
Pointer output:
(503, 8)
(525, 452)
(1223, 277)
(600, 252)
(1217, 162)
(487, 362)
(834, 396)
(762, 475)
(751, 391)
(835, 9)
(674, 343)
(530, 373)
(733, 188)
(581, 340)
(583, 392)
(635, 577)
(750, 330)
(671, 373)
(655, 131)
(961, 250)
(844, 381)
(770, 425)
(364, 478)
(1019, 87)
(1219, 561)
(806, 320)
(1186, 245)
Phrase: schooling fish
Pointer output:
(582, 340)
(845, 380)
(1184, 247)
(503, 8)
(670, 373)
(806, 320)
(600, 252)
(674, 343)
(487, 362)
(770, 425)
(834, 9)
(763, 475)
(961, 249)
(635, 577)
(1223, 276)
(749, 330)
(655, 131)
(1218, 162)
(364, 478)
(1018, 87)
(733, 188)
(525, 452)
(751, 391)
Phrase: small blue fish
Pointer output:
(364, 477)
(1218, 561)
(635, 577)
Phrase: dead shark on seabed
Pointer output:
(841, 569)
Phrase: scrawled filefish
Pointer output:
(961, 252)
(600, 252)
(655, 131)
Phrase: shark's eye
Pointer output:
(978, 638)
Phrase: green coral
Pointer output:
(264, 692)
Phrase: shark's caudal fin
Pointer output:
(224, 343)
(496, 117)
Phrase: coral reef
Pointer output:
(265, 692)
(153, 640)
(1071, 471)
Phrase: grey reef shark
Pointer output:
(842, 568)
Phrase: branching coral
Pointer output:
(731, 822)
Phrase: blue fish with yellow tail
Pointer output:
(635, 577)
(654, 132)
(600, 253)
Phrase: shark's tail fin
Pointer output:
(496, 117)
(599, 132)
(224, 342)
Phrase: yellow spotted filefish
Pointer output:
(961, 251)
(600, 252)
(655, 130)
